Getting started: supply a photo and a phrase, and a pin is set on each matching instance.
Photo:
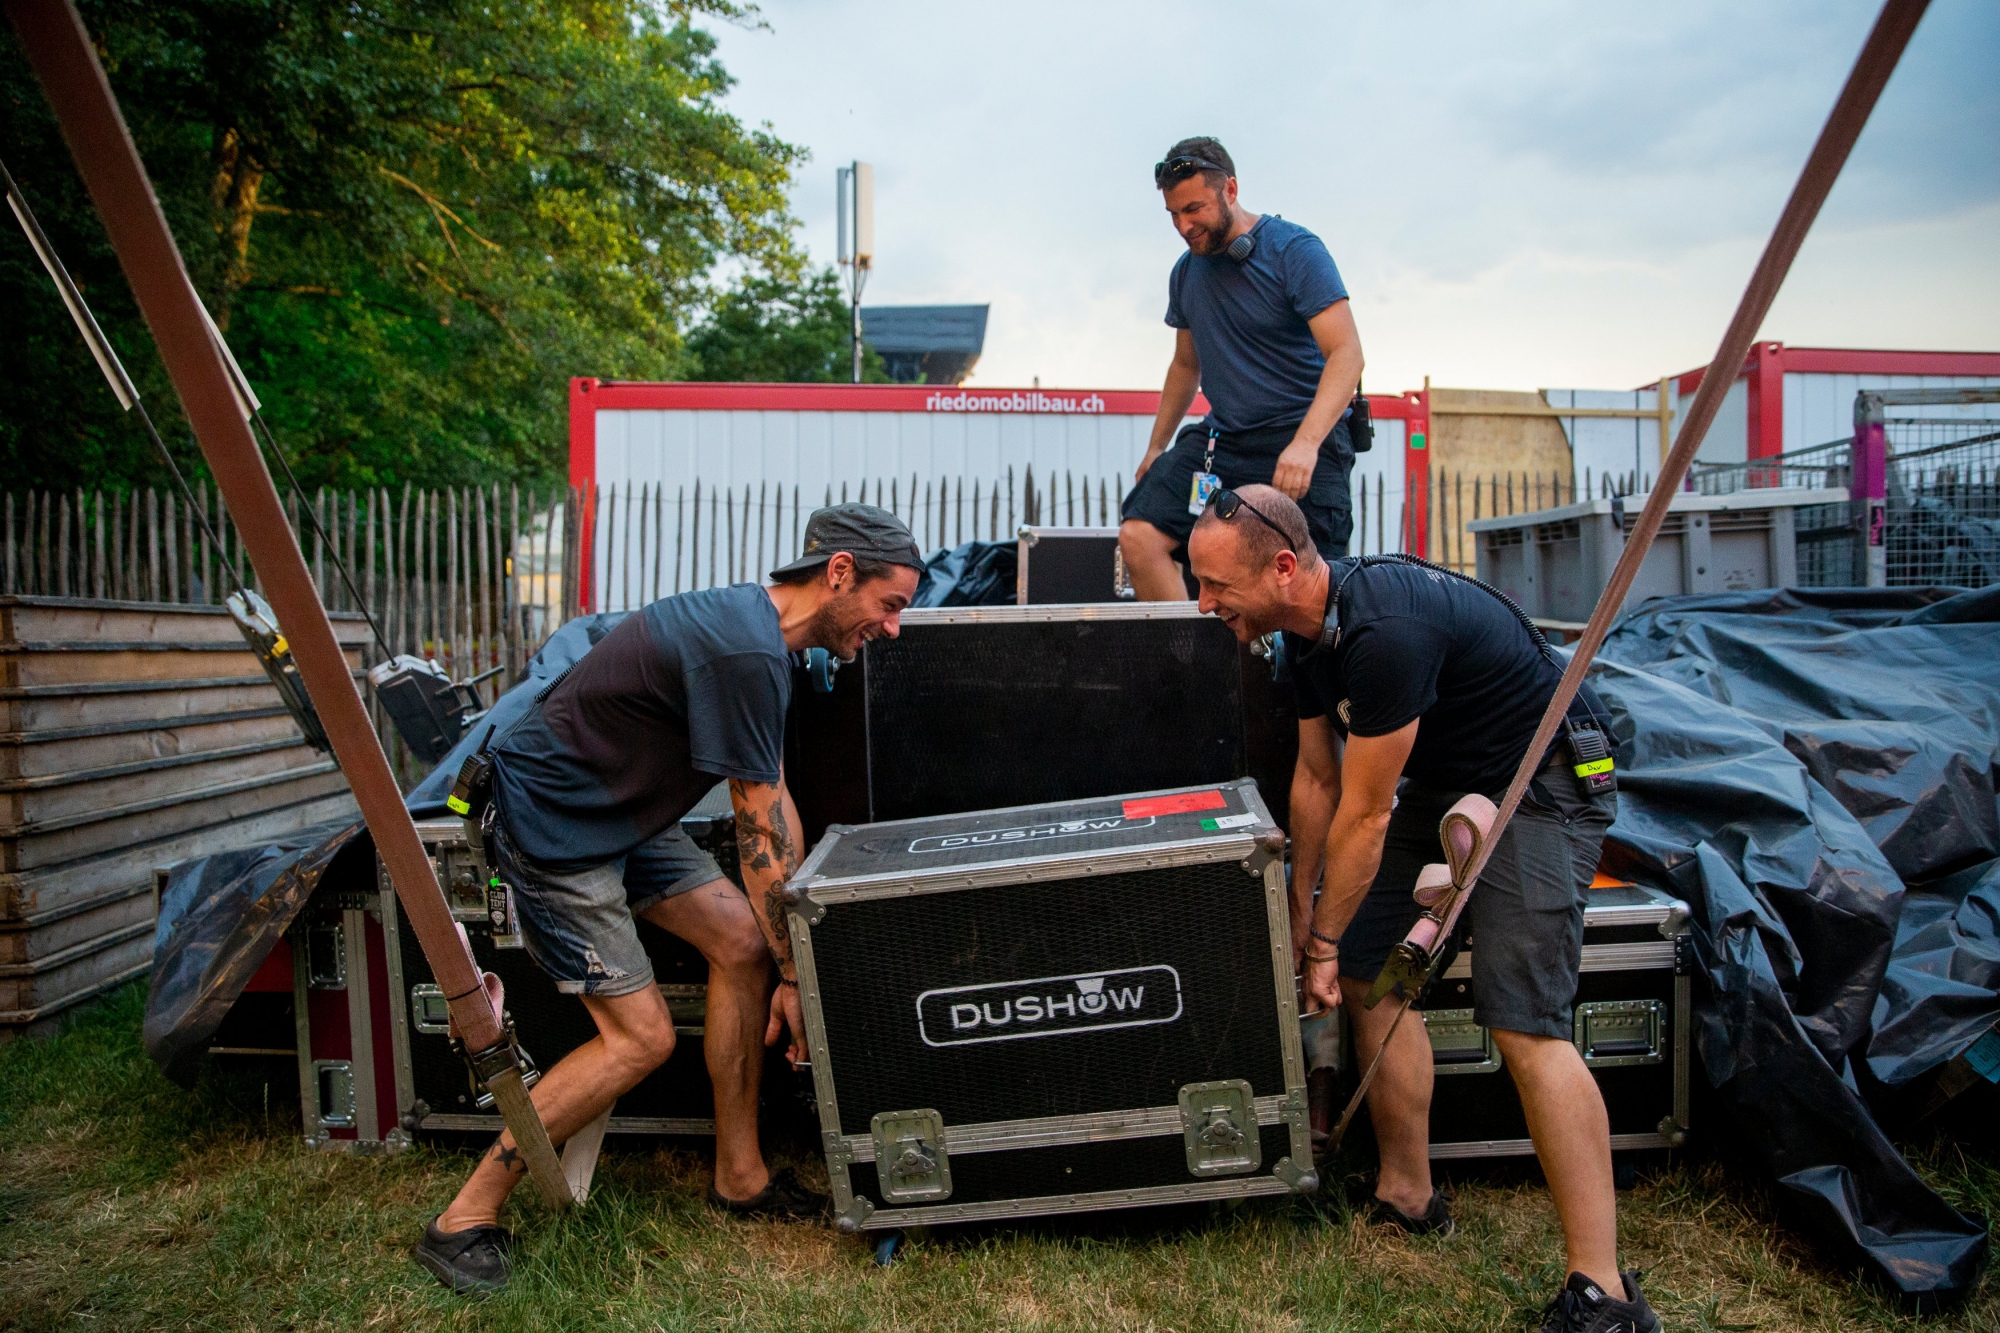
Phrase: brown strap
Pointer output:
(65, 62)
(1877, 61)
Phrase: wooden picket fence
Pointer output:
(478, 577)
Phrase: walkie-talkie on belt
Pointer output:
(1590, 756)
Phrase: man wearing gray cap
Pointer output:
(584, 825)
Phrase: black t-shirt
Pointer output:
(1416, 643)
(684, 691)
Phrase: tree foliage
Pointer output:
(414, 219)
(777, 330)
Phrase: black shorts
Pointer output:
(1161, 497)
(1524, 924)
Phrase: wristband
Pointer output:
(1322, 958)
(1314, 932)
(787, 981)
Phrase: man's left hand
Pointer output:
(1295, 468)
(787, 1012)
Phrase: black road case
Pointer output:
(375, 1059)
(1053, 1008)
(976, 708)
(1633, 1026)
(1068, 565)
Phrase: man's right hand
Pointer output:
(1139, 472)
(1323, 982)
(787, 1012)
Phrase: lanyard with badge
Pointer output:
(1204, 483)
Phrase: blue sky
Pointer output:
(1519, 196)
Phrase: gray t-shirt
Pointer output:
(685, 691)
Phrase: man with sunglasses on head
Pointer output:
(1415, 687)
(1263, 327)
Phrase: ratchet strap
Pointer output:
(1411, 964)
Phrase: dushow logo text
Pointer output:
(1049, 1006)
(1063, 828)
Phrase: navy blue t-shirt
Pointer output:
(1416, 643)
(685, 691)
(1259, 364)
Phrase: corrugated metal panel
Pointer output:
(1820, 407)
(815, 450)
(1609, 446)
(1378, 519)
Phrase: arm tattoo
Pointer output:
(767, 846)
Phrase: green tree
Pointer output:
(415, 220)
(776, 329)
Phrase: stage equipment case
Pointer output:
(1069, 565)
(1053, 1008)
(1633, 1025)
(376, 1064)
(975, 708)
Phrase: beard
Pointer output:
(832, 627)
(1214, 240)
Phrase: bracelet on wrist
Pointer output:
(1322, 958)
(1323, 939)
(789, 981)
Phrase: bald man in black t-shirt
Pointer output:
(1415, 687)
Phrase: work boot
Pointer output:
(1583, 1307)
(1435, 1220)
(470, 1261)
(782, 1197)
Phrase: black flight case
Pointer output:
(1633, 1026)
(1053, 1008)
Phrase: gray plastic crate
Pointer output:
(1555, 562)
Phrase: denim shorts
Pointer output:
(1524, 925)
(577, 924)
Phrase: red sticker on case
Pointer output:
(1179, 804)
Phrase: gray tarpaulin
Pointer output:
(1814, 773)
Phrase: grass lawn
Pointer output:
(126, 1203)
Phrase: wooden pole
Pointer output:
(65, 62)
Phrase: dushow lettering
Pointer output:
(1049, 1006)
(1027, 833)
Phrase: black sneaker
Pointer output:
(1583, 1307)
(1435, 1220)
(474, 1260)
(782, 1197)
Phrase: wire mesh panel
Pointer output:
(1942, 525)
(1944, 503)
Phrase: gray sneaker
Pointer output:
(470, 1261)
(1583, 1307)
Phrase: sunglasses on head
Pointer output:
(1226, 503)
(1177, 169)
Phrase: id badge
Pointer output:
(1203, 486)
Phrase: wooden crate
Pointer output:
(132, 735)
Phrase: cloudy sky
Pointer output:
(1536, 194)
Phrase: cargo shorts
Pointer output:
(577, 924)
(1524, 924)
(1161, 496)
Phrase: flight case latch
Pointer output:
(910, 1160)
(1219, 1123)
